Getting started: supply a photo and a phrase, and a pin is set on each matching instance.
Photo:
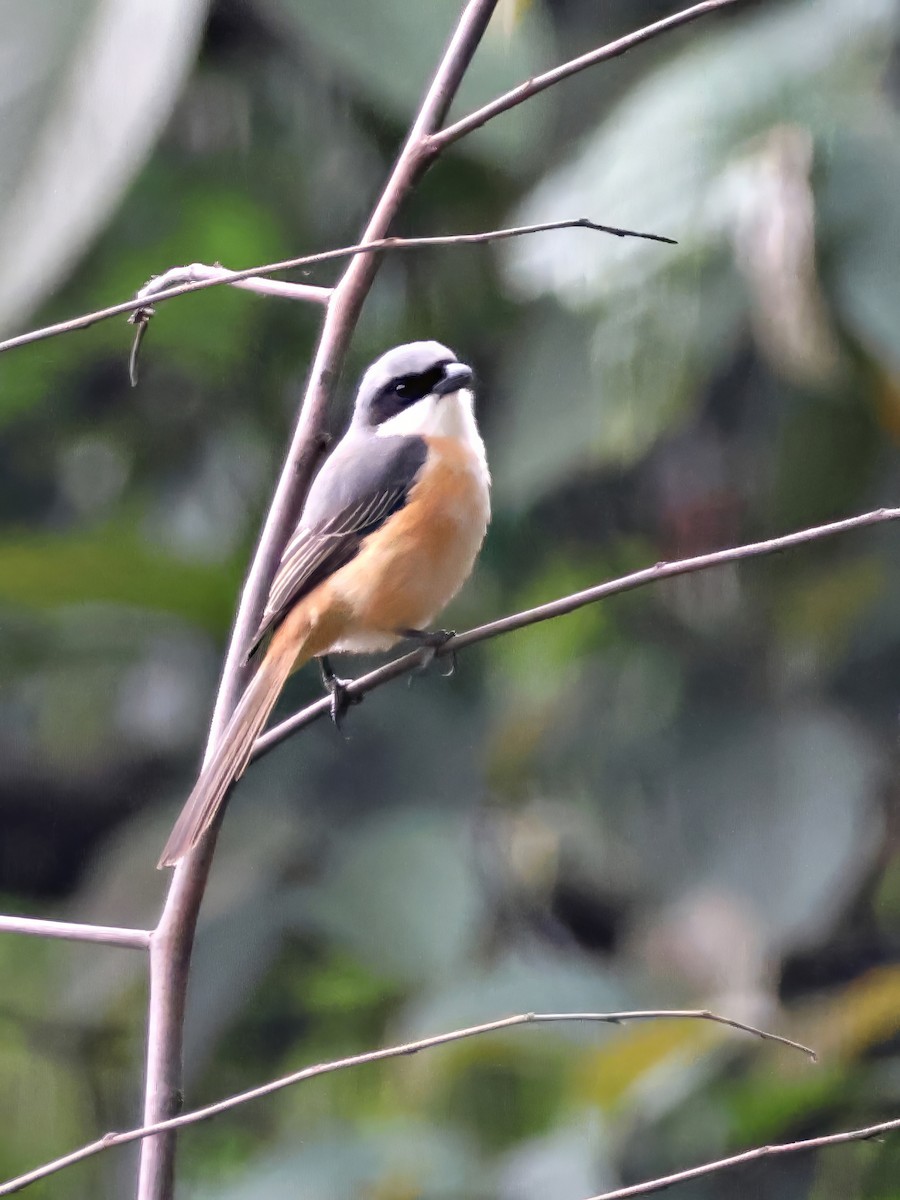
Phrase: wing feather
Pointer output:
(351, 498)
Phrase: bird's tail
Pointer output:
(232, 754)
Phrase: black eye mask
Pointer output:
(401, 393)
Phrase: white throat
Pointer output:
(451, 416)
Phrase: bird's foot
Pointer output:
(342, 699)
(434, 640)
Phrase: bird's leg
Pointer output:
(341, 698)
(434, 639)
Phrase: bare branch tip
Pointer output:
(616, 231)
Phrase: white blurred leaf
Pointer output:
(86, 87)
(656, 160)
(658, 320)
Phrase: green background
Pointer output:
(686, 796)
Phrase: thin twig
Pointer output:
(105, 935)
(566, 604)
(375, 246)
(540, 83)
(803, 1146)
(373, 1056)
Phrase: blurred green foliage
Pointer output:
(684, 797)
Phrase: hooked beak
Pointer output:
(456, 376)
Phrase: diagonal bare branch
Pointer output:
(373, 1056)
(566, 604)
(531, 87)
(803, 1146)
(172, 283)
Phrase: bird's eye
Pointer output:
(413, 387)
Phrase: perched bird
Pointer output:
(388, 535)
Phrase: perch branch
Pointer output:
(373, 1056)
(566, 604)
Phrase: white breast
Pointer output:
(451, 416)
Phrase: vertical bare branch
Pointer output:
(172, 941)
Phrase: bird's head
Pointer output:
(410, 390)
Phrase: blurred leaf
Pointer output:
(588, 394)
(341, 988)
(860, 183)
(859, 1016)
(212, 334)
(401, 877)
(549, 426)
(232, 954)
(510, 12)
(500, 1090)
(769, 1105)
(566, 1164)
(651, 1057)
(88, 85)
(390, 49)
(240, 930)
(785, 809)
(527, 978)
(827, 454)
(662, 318)
(825, 606)
(655, 161)
(393, 1159)
(41, 1098)
(113, 565)
(557, 650)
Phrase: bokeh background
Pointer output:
(683, 797)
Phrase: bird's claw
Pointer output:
(433, 640)
(342, 699)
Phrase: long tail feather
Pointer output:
(231, 756)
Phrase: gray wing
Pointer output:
(362, 483)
